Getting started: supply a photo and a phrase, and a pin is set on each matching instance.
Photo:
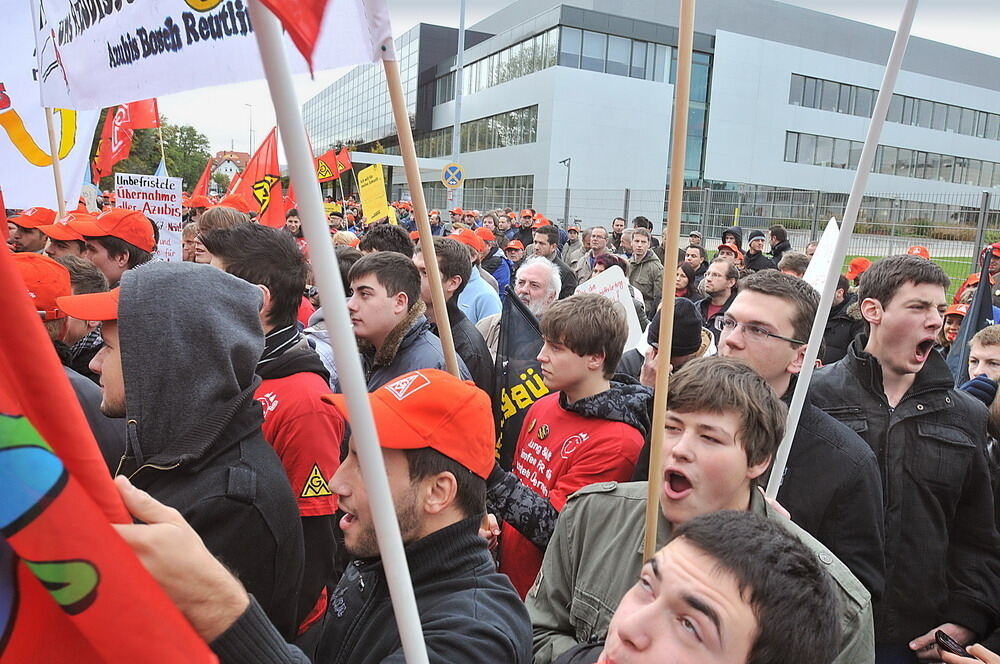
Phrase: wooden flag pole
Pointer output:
(843, 241)
(56, 169)
(301, 168)
(671, 236)
(409, 154)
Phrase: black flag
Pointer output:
(518, 376)
(980, 315)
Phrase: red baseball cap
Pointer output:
(857, 266)
(732, 247)
(469, 237)
(527, 213)
(34, 217)
(541, 222)
(957, 310)
(62, 231)
(573, 228)
(414, 235)
(485, 233)
(236, 201)
(455, 211)
(431, 408)
(514, 244)
(46, 280)
(995, 248)
(91, 306)
(131, 226)
(917, 250)
(199, 201)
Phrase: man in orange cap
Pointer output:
(63, 240)
(194, 427)
(437, 440)
(117, 240)
(917, 250)
(515, 253)
(493, 261)
(24, 232)
(856, 268)
(456, 214)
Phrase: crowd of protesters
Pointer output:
(212, 386)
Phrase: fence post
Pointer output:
(706, 210)
(814, 228)
(628, 195)
(984, 208)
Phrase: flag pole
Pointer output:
(843, 240)
(56, 169)
(671, 236)
(163, 155)
(409, 154)
(267, 31)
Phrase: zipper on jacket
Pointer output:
(153, 466)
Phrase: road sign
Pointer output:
(452, 176)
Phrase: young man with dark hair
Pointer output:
(719, 286)
(588, 430)
(83, 336)
(194, 440)
(387, 314)
(646, 270)
(437, 440)
(25, 234)
(546, 245)
(117, 240)
(844, 323)
(696, 256)
(730, 587)
(63, 240)
(831, 486)
(386, 237)
(455, 268)
(942, 549)
(778, 238)
(723, 426)
(617, 228)
(305, 432)
(794, 263)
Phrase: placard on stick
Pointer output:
(159, 198)
(373, 200)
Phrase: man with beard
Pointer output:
(537, 285)
(25, 234)
(719, 286)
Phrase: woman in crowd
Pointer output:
(685, 284)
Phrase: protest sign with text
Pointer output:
(613, 284)
(159, 198)
(373, 200)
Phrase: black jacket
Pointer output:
(470, 346)
(779, 249)
(709, 323)
(470, 613)
(758, 261)
(568, 277)
(738, 232)
(832, 489)
(942, 551)
(844, 324)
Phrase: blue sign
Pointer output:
(452, 176)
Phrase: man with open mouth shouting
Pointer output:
(942, 554)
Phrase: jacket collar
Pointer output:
(402, 335)
(934, 375)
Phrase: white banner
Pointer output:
(613, 284)
(26, 174)
(819, 264)
(98, 53)
(159, 198)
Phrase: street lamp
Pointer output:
(250, 106)
(567, 163)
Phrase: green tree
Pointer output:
(221, 181)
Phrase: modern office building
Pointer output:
(780, 99)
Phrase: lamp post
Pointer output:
(567, 162)
(456, 132)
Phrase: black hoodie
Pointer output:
(190, 338)
(738, 232)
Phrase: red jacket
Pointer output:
(558, 453)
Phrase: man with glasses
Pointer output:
(598, 246)
(719, 286)
(831, 486)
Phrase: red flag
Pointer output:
(290, 198)
(145, 114)
(116, 140)
(201, 189)
(344, 160)
(327, 167)
(70, 588)
(261, 183)
(302, 19)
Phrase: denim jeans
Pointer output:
(899, 653)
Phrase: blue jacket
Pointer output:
(478, 299)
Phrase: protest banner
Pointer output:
(819, 264)
(159, 198)
(373, 200)
(330, 208)
(98, 54)
(24, 145)
(613, 284)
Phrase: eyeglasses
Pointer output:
(755, 332)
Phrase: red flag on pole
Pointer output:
(327, 167)
(344, 160)
(70, 588)
(302, 20)
(201, 189)
(261, 182)
(145, 114)
(116, 140)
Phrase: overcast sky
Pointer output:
(222, 115)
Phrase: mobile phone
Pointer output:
(949, 644)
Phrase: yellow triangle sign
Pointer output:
(324, 170)
(316, 485)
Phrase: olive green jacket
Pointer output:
(595, 556)
(647, 277)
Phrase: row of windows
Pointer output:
(889, 160)
(856, 100)
(502, 130)
(596, 51)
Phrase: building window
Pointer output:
(570, 48)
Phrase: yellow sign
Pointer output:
(316, 485)
(452, 175)
(332, 207)
(374, 204)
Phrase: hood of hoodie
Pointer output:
(190, 338)
(300, 358)
(629, 403)
(738, 232)
(401, 336)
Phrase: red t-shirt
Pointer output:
(306, 433)
(557, 454)
(306, 309)
(712, 310)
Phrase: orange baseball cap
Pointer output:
(485, 233)
(995, 248)
(46, 281)
(414, 235)
(437, 212)
(917, 250)
(236, 201)
(431, 408)
(469, 237)
(514, 244)
(131, 226)
(62, 231)
(573, 228)
(199, 201)
(455, 211)
(732, 247)
(957, 310)
(856, 267)
(527, 213)
(34, 217)
(91, 306)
